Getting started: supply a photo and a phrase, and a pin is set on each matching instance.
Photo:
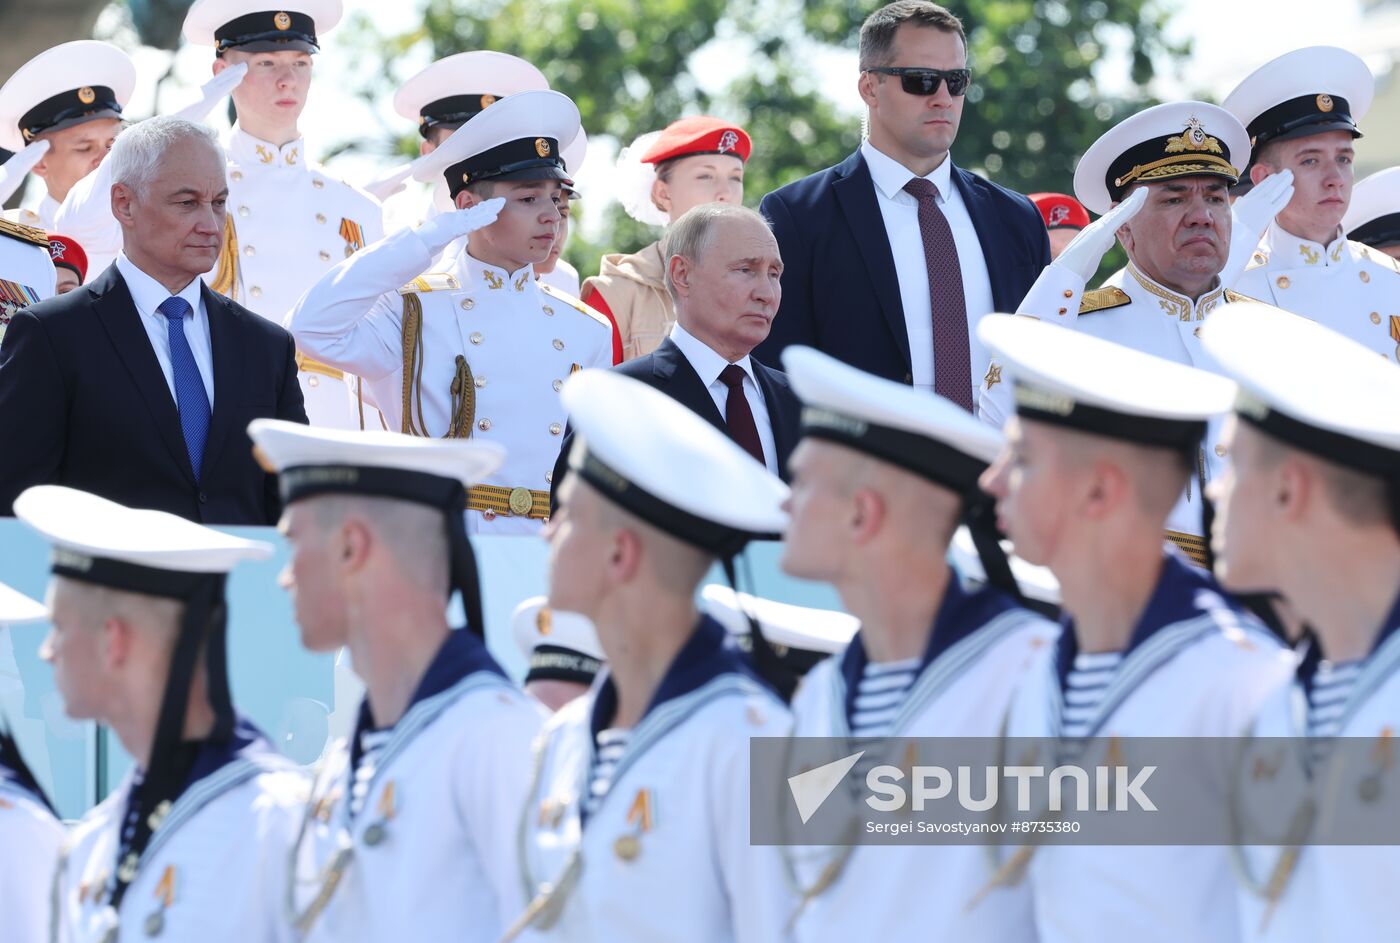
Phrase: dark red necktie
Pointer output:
(952, 362)
(737, 415)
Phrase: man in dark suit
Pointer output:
(894, 254)
(724, 273)
(140, 386)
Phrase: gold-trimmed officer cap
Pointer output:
(1301, 93)
(62, 87)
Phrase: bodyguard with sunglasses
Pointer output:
(894, 254)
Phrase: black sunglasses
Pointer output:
(926, 81)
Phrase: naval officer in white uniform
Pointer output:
(192, 845)
(1302, 112)
(636, 826)
(478, 348)
(30, 833)
(1373, 218)
(1160, 181)
(412, 823)
(288, 221)
(1311, 508)
(1097, 453)
(881, 479)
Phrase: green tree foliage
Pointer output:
(629, 64)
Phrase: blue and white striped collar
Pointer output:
(245, 743)
(709, 653)
(1310, 652)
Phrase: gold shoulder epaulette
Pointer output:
(1232, 295)
(1101, 299)
(1379, 257)
(430, 281)
(574, 303)
(24, 233)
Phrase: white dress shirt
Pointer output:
(710, 365)
(900, 211)
(148, 295)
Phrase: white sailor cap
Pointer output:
(1309, 386)
(151, 552)
(653, 457)
(1035, 582)
(922, 433)
(517, 138)
(558, 645)
(64, 86)
(17, 608)
(1071, 379)
(1164, 142)
(261, 25)
(820, 632)
(27, 272)
(1373, 217)
(1303, 92)
(457, 88)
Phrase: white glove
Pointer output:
(445, 227)
(1250, 216)
(213, 91)
(1084, 253)
(383, 187)
(15, 169)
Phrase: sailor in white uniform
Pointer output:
(479, 348)
(193, 844)
(27, 273)
(1160, 181)
(561, 652)
(934, 657)
(1101, 443)
(1302, 111)
(288, 221)
(411, 825)
(1311, 508)
(1373, 218)
(636, 827)
(30, 833)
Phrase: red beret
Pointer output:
(66, 252)
(1061, 211)
(698, 135)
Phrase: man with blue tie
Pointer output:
(935, 248)
(139, 386)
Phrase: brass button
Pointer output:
(1365, 276)
(237, 175)
(325, 256)
(1064, 311)
(1375, 317)
(555, 428)
(243, 211)
(484, 425)
(558, 344)
(558, 385)
(250, 250)
(1220, 450)
(480, 381)
(321, 218)
(549, 477)
(489, 514)
(1283, 281)
(1069, 293)
(313, 382)
(255, 291)
(520, 501)
(627, 847)
(548, 310)
(318, 183)
(468, 304)
(476, 337)
(1196, 332)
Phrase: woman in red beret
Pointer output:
(693, 161)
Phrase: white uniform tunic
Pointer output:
(517, 342)
(213, 871)
(1133, 310)
(288, 224)
(86, 215)
(428, 847)
(979, 650)
(1332, 892)
(30, 838)
(1196, 666)
(1346, 285)
(666, 854)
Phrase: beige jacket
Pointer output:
(632, 289)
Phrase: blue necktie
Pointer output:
(190, 396)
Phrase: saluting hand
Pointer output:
(1250, 216)
(442, 229)
(1084, 253)
(13, 172)
(214, 91)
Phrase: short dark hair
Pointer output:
(877, 32)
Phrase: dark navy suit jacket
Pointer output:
(83, 403)
(667, 370)
(840, 291)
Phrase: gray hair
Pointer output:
(694, 232)
(136, 153)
